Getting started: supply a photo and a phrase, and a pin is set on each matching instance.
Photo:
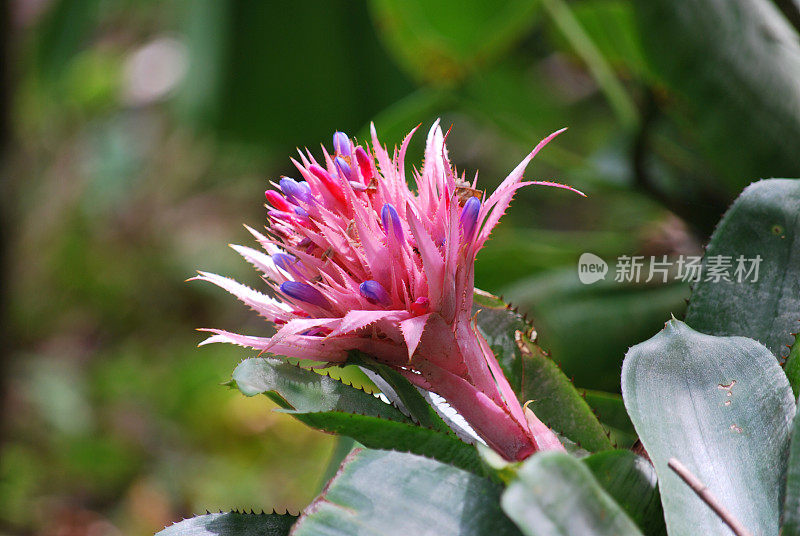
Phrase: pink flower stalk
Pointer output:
(361, 262)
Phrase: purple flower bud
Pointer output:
(469, 218)
(374, 292)
(300, 212)
(341, 143)
(344, 168)
(284, 261)
(304, 292)
(391, 223)
(295, 191)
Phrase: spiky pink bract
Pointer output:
(361, 262)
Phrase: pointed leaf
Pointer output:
(792, 367)
(791, 504)
(631, 481)
(610, 409)
(398, 494)
(379, 433)
(762, 222)
(534, 376)
(723, 407)
(304, 390)
(413, 401)
(556, 495)
(232, 524)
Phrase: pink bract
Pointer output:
(359, 261)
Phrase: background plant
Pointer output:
(116, 192)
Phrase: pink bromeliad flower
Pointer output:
(361, 262)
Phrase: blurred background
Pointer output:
(139, 135)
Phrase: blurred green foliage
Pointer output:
(146, 132)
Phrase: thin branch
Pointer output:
(707, 497)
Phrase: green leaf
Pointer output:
(534, 376)
(610, 409)
(397, 494)
(588, 328)
(232, 524)
(736, 64)
(413, 401)
(341, 449)
(498, 323)
(556, 495)
(378, 433)
(723, 407)
(792, 367)
(303, 390)
(791, 504)
(631, 481)
(331, 406)
(445, 41)
(764, 221)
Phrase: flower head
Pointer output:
(359, 261)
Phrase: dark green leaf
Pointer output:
(378, 433)
(723, 407)
(232, 524)
(556, 495)
(764, 222)
(610, 409)
(736, 64)
(397, 494)
(306, 391)
(534, 376)
(631, 481)
(588, 328)
(792, 367)
(791, 504)
(413, 401)
(341, 449)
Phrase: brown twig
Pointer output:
(707, 497)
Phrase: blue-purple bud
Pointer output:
(295, 191)
(341, 143)
(300, 212)
(344, 168)
(469, 218)
(374, 292)
(284, 261)
(304, 292)
(391, 223)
